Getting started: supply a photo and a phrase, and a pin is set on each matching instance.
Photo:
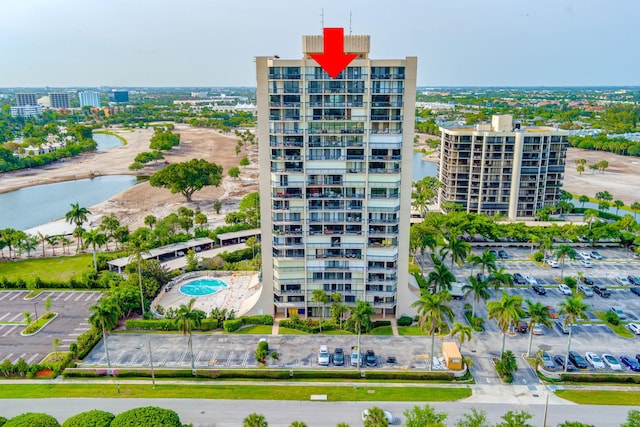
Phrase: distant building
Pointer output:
(59, 100)
(25, 99)
(199, 94)
(89, 99)
(501, 168)
(45, 101)
(26, 111)
(119, 96)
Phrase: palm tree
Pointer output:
(105, 317)
(432, 312)
(138, 247)
(457, 249)
(77, 233)
(538, 315)
(96, 239)
(635, 207)
(375, 418)
(109, 224)
(255, 420)
(43, 239)
(464, 332)
(618, 204)
(77, 215)
(486, 260)
(361, 319)
(583, 199)
(480, 291)
(53, 241)
(28, 243)
(338, 308)
(573, 308)
(500, 278)
(298, 424)
(66, 242)
(506, 311)
(563, 252)
(589, 216)
(319, 296)
(186, 319)
(440, 278)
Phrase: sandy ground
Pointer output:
(132, 205)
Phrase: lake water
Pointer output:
(33, 206)
(106, 142)
(422, 168)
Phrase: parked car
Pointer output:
(602, 291)
(387, 415)
(584, 255)
(552, 312)
(587, 281)
(630, 363)
(622, 281)
(596, 255)
(538, 289)
(338, 356)
(547, 361)
(585, 290)
(323, 356)
(634, 280)
(537, 330)
(634, 327)
(559, 359)
(355, 355)
(564, 289)
(594, 360)
(531, 280)
(519, 279)
(611, 362)
(635, 291)
(620, 312)
(370, 358)
(553, 263)
(502, 254)
(578, 360)
(586, 263)
(560, 325)
(522, 327)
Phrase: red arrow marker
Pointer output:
(333, 60)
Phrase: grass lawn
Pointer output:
(600, 397)
(382, 330)
(289, 331)
(54, 269)
(410, 330)
(255, 329)
(620, 329)
(337, 332)
(211, 391)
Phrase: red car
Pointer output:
(552, 312)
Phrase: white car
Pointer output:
(584, 255)
(611, 362)
(537, 330)
(596, 255)
(553, 264)
(387, 415)
(323, 356)
(586, 290)
(634, 327)
(621, 280)
(564, 289)
(531, 280)
(586, 263)
(594, 360)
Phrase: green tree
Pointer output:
(633, 419)
(95, 239)
(433, 311)
(440, 278)
(32, 419)
(515, 419)
(255, 420)
(338, 308)
(92, 418)
(538, 315)
(375, 417)
(477, 418)
(425, 416)
(187, 177)
(47, 303)
(104, 317)
(583, 199)
(320, 297)
(506, 311)
(480, 291)
(109, 224)
(53, 241)
(573, 309)
(43, 239)
(457, 249)
(360, 320)
(150, 221)
(464, 333)
(77, 215)
(27, 317)
(147, 416)
(635, 207)
(500, 278)
(563, 252)
(618, 204)
(187, 319)
(486, 260)
(192, 260)
(201, 219)
(298, 424)
(234, 172)
(138, 246)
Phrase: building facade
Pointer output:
(59, 100)
(89, 99)
(335, 179)
(26, 99)
(502, 168)
(119, 96)
(26, 111)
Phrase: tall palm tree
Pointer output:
(589, 216)
(138, 247)
(43, 239)
(77, 215)
(500, 278)
(104, 316)
(375, 418)
(457, 249)
(319, 296)
(53, 241)
(109, 224)
(573, 308)
(480, 291)
(66, 242)
(186, 319)
(635, 207)
(254, 420)
(563, 252)
(506, 311)
(361, 319)
(94, 238)
(338, 308)
(440, 278)
(486, 260)
(432, 312)
(538, 315)
(464, 332)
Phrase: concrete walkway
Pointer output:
(394, 327)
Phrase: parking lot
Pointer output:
(72, 308)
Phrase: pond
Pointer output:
(106, 142)
(422, 168)
(33, 206)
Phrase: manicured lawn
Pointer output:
(48, 269)
(288, 331)
(210, 391)
(600, 397)
(255, 329)
(410, 330)
(382, 330)
(620, 329)
(337, 332)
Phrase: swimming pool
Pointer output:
(202, 287)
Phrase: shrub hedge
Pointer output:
(147, 416)
(93, 418)
(235, 324)
(167, 325)
(405, 321)
(32, 419)
(625, 378)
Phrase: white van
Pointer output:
(323, 356)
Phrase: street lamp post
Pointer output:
(35, 308)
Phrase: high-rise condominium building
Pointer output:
(59, 100)
(502, 168)
(119, 96)
(335, 179)
(89, 99)
(26, 99)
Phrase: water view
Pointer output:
(106, 142)
(32, 206)
(422, 168)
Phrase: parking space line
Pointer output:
(4, 295)
(4, 316)
(68, 340)
(60, 295)
(79, 297)
(20, 357)
(10, 330)
(32, 358)
(15, 296)
(16, 317)
(8, 356)
(89, 297)
(69, 296)
(74, 335)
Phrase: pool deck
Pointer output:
(241, 287)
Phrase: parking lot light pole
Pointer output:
(153, 377)
(35, 308)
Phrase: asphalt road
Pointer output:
(230, 413)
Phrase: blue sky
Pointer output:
(212, 43)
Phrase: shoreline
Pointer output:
(56, 180)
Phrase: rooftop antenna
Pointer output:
(349, 22)
(322, 18)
